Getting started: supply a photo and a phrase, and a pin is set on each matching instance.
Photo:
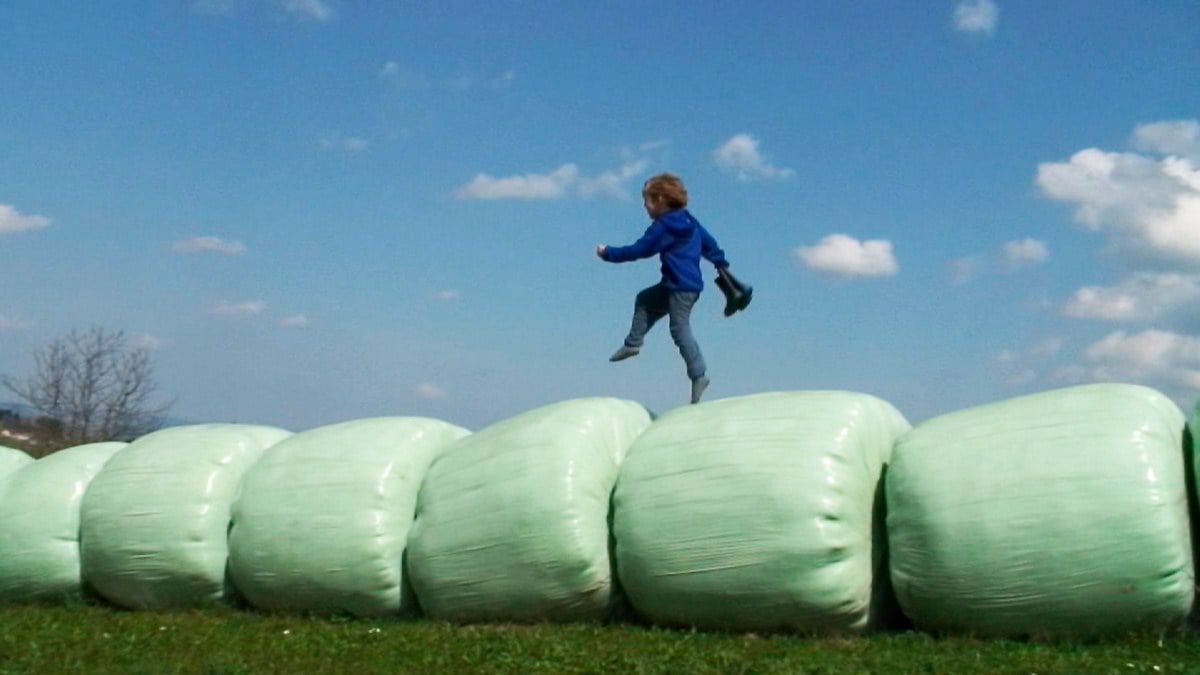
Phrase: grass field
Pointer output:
(96, 639)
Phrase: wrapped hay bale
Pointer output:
(512, 521)
(1058, 513)
(39, 524)
(12, 459)
(322, 519)
(758, 513)
(154, 520)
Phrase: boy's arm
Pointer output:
(710, 250)
(648, 245)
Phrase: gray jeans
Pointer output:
(656, 302)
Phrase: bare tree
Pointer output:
(95, 384)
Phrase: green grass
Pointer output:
(96, 639)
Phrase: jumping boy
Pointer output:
(679, 240)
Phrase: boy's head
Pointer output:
(662, 193)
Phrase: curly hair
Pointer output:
(667, 188)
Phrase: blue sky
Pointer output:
(321, 210)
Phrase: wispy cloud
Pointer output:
(1170, 137)
(1149, 207)
(1144, 296)
(612, 183)
(309, 10)
(963, 270)
(237, 309)
(841, 255)
(504, 80)
(1019, 367)
(446, 295)
(564, 181)
(347, 143)
(208, 243)
(1021, 253)
(976, 16)
(294, 321)
(13, 221)
(9, 323)
(146, 341)
(740, 155)
(431, 391)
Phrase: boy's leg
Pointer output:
(680, 308)
(650, 306)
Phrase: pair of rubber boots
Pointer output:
(737, 294)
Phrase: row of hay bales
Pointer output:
(1059, 513)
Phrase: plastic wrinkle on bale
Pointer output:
(154, 520)
(39, 524)
(759, 513)
(1062, 513)
(322, 519)
(512, 521)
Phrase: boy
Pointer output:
(679, 240)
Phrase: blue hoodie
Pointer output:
(680, 240)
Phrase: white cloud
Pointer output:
(976, 16)
(1143, 296)
(427, 390)
(552, 185)
(348, 143)
(12, 221)
(237, 309)
(1149, 207)
(446, 295)
(844, 256)
(740, 155)
(9, 323)
(208, 243)
(294, 321)
(1171, 137)
(1154, 357)
(612, 183)
(312, 10)
(1023, 252)
(390, 69)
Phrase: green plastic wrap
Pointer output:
(11, 460)
(154, 520)
(1058, 513)
(512, 521)
(322, 519)
(758, 513)
(39, 524)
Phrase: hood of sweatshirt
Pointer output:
(678, 222)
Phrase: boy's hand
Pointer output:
(600, 251)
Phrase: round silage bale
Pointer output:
(39, 524)
(321, 521)
(512, 521)
(12, 459)
(1061, 513)
(154, 520)
(758, 512)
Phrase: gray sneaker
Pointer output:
(698, 386)
(624, 352)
